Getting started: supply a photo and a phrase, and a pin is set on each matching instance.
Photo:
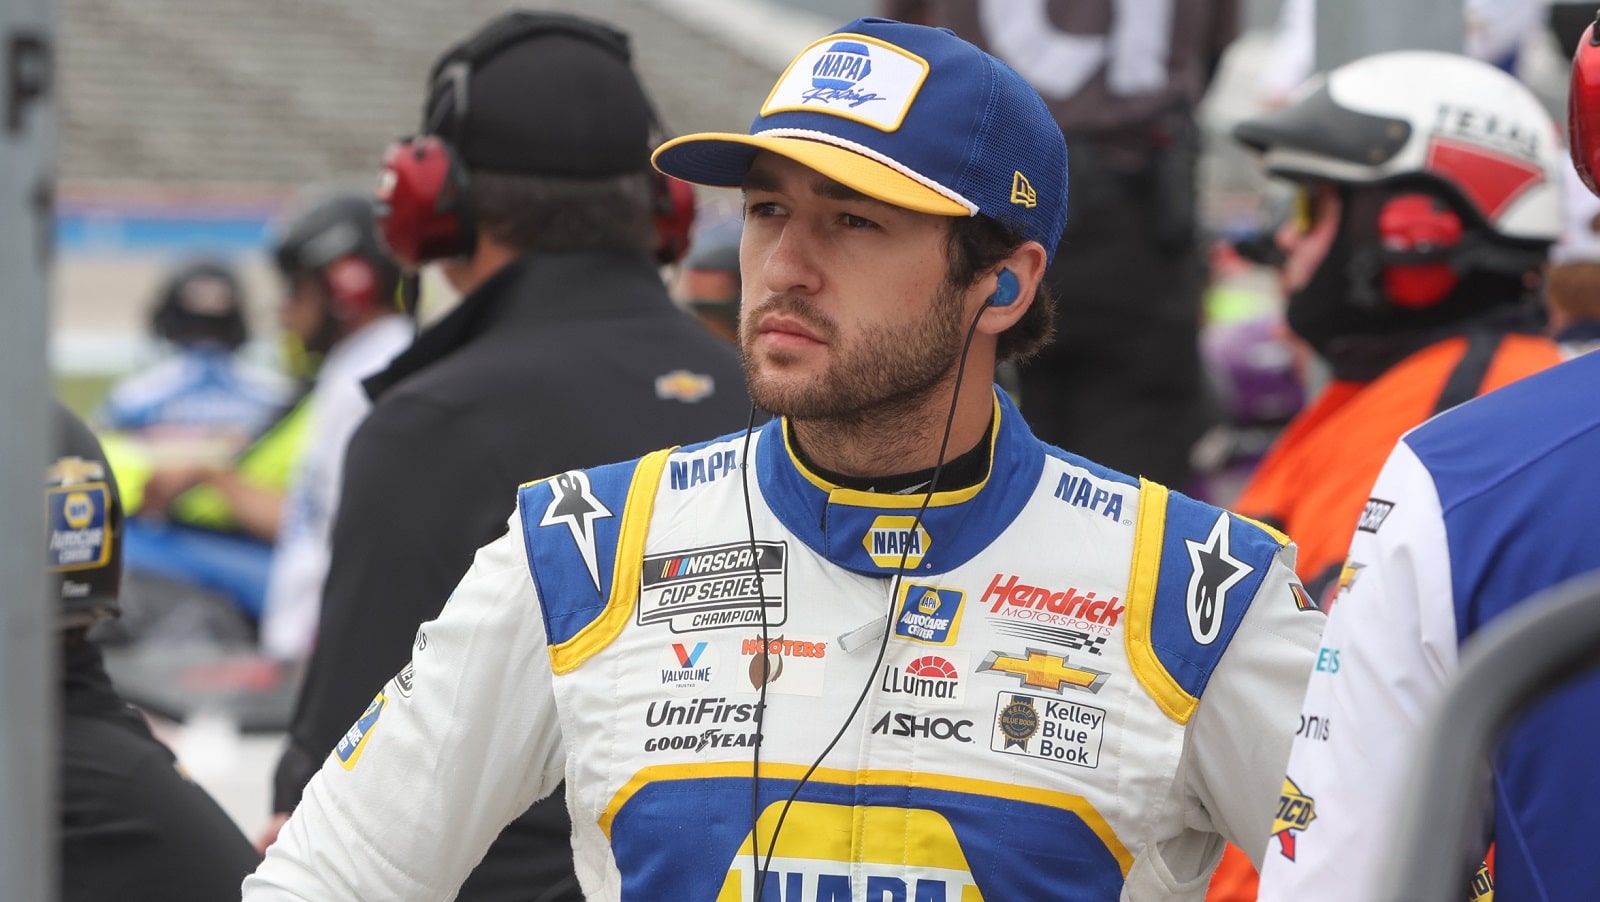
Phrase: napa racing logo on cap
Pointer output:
(75, 514)
(1296, 811)
(891, 540)
(715, 587)
(817, 856)
(348, 751)
(851, 76)
(929, 614)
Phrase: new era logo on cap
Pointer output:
(857, 77)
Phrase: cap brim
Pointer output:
(719, 160)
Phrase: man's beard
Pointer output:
(882, 371)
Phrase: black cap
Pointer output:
(545, 94)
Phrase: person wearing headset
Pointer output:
(1475, 512)
(531, 187)
(132, 825)
(341, 309)
(887, 645)
(1428, 190)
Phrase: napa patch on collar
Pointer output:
(853, 77)
(891, 539)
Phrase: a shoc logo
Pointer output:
(929, 614)
(1079, 491)
(1017, 594)
(932, 678)
(923, 727)
(702, 468)
(891, 539)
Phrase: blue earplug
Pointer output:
(1006, 289)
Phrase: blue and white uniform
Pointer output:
(204, 388)
(1476, 510)
(1088, 683)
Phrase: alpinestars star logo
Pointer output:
(1214, 572)
(576, 506)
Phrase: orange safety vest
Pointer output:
(1318, 475)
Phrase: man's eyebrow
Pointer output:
(758, 179)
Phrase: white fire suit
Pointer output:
(1086, 684)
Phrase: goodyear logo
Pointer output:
(350, 746)
(817, 857)
(1022, 193)
(851, 76)
(79, 534)
(1296, 811)
(682, 385)
(891, 540)
(929, 614)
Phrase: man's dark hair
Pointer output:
(557, 213)
(974, 246)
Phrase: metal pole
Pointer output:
(28, 633)
(1350, 29)
(1517, 660)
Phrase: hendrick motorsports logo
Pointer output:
(715, 587)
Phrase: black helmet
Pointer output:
(83, 524)
(201, 303)
(334, 236)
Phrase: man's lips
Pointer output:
(787, 331)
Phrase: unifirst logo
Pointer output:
(892, 539)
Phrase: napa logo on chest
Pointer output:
(686, 473)
(929, 614)
(891, 539)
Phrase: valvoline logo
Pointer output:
(842, 66)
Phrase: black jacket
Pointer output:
(558, 361)
(132, 827)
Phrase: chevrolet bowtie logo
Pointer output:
(75, 471)
(1042, 670)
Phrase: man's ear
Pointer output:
(1008, 289)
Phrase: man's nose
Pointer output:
(790, 267)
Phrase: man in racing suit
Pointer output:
(1474, 512)
(824, 659)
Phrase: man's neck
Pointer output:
(897, 442)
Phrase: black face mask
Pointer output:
(1344, 315)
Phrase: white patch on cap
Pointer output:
(853, 77)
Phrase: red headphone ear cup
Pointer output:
(674, 217)
(1423, 227)
(422, 205)
(352, 285)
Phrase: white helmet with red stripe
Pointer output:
(1423, 115)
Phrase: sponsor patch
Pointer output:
(350, 746)
(1373, 514)
(705, 723)
(717, 587)
(1214, 571)
(931, 678)
(789, 665)
(1302, 598)
(1482, 887)
(1328, 660)
(1080, 491)
(1348, 574)
(1050, 728)
(687, 666)
(682, 385)
(701, 469)
(1009, 596)
(79, 533)
(405, 681)
(851, 76)
(1036, 669)
(573, 504)
(929, 614)
(1296, 811)
(1313, 727)
(922, 726)
(891, 539)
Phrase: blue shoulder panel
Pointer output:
(570, 523)
(1212, 562)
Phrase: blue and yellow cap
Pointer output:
(910, 115)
